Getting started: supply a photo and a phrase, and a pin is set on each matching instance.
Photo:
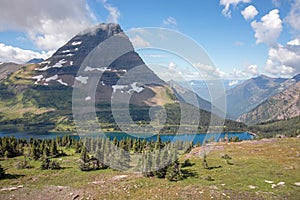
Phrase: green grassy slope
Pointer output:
(252, 164)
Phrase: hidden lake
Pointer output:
(195, 138)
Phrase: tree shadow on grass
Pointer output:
(188, 173)
(213, 167)
(12, 176)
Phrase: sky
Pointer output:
(243, 38)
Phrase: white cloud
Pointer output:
(253, 70)
(227, 4)
(295, 42)
(269, 29)
(249, 13)
(293, 17)
(284, 60)
(114, 12)
(219, 73)
(170, 21)
(138, 42)
(49, 24)
(15, 54)
(204, 67)
(246, 72)
(172, 66)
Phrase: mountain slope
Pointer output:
(8, 68)
(38, 97)
(284, 105)
(252, 92)
(187, 96)
(289, 127)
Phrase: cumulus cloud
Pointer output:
(247, 72)
(228, 3)
(170, 21)
(253, 70)
(295, 42)
(49, 24)
(293, 17)
(17, 55)
(249, 13)
(284, 60)
(268, 29)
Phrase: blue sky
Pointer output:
(263, 40)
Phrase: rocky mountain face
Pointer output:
(252, 92)
(40, 95)
(7, 69)
(282, 106)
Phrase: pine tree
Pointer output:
(158, 144)
(84, 160)
(174, 172)
(34, 151)
(53, 148)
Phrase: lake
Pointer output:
(195, 138)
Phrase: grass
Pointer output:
(252, 163)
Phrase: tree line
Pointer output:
(152, 158)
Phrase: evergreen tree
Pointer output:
(34, 151)
(49, 164)
(53, 148)
(84, 160)
(158, 144)
(174, 172)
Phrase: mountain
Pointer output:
(282, 106)
(39, 97)
(7, 69)
(246, 96)
(187, 96)
(35, 61)
(201, 86)
(296, 78)
(288, 127)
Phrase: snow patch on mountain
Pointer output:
(38, 78)
(61, 82)
(135, 88)
(88, 98)
(82, 79)
(90, 69)
(76, 43)
(52, 78)
(59, 64)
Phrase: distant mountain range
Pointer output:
(282, 106)
(200, 87)
(246, 96)
(35, 61)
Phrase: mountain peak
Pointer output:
(297, 77)
(110, 28)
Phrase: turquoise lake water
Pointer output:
(195, 138)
